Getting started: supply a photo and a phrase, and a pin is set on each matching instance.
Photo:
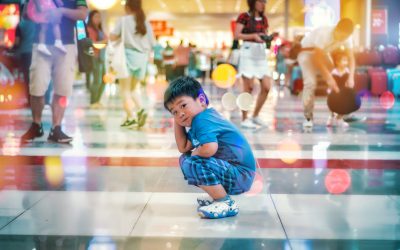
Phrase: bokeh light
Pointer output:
(54, 171)
(63, 101)
(12, 9)
(9, 17)
(9, 22)
(257, 186)
(224, 75)
(99, 45)
(337, 181)
(290, 150)
(244, 101)
(102, 4)
(387, 100)
(228, 101)
(11, 145)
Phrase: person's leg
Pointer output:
(341, 122)
(125, 91)
(102, 84)
(49, 94)
(42, 39)
(88, 76)
(57, 32)
(42, 33)
(331, 120)
(133, 86)
(216, 192)
(262, 96)
(58, 107)
(310, 82)
(215, 177)
(37, 105)
(40, 73)
(58, 42)
(247, 87)
(63, 80)
(40, 77)
(94, 85)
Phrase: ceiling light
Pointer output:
(201, 6)
(237, 6)
(162, 4)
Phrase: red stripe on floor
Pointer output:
(174, 162)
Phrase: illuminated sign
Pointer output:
(379, 21)
(321, 13)
(160, 28)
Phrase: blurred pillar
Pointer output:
(368, 11)
(287, 15)
(360, 12)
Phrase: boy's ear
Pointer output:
(202, 99)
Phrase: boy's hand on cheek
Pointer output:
(176, 124)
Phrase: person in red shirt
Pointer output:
(250, 28)
(95, 77)
(181, 59)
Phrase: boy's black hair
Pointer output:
(183, 86)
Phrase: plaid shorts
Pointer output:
(211, 171)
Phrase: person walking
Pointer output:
(95, 77)
(250, 28)
(138, 41)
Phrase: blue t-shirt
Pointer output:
(158, 51)
(209, 126)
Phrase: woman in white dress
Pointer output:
(138, 41)
(250, 27)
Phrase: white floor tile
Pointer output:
(14, 202)
(81, 213)
(339, 216)
(175, 215)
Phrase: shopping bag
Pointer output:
(115, 56)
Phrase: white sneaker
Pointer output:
(308, 123)
(219, 209)
(258, 121)
(42, 48)
(353, 118)
(331, 121)
(59, 45)
(248, 123)
(204, 200)
(341, 123)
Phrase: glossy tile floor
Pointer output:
(116, 188)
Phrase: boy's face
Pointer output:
(185, 108)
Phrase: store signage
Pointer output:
(160, 28)
(379, 21)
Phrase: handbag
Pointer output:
(115, 55)
(85, 48)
